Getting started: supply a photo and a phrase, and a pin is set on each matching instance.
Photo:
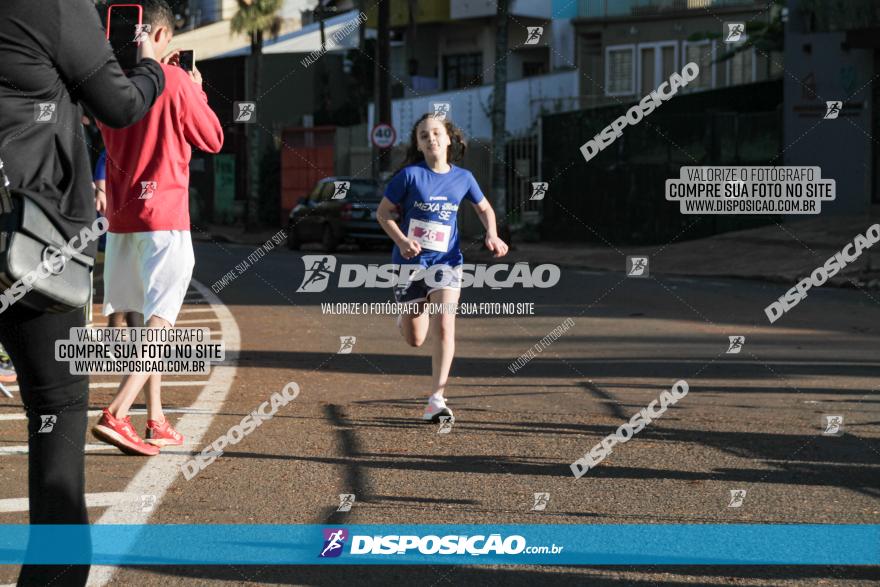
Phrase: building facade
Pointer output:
(626, 48)
(833, 55)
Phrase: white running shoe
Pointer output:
(435, 409)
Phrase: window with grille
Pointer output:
(702, 53)
(619, 70)
(741, 68)
(462, 71)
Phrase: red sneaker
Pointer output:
(121, 434)
(162, 434)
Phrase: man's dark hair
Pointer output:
(156, 12)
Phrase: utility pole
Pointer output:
(382, 107)
(321, 11)
(499, 114)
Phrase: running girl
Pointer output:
(429, 189)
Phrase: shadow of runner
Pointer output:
(821, 463)
(354, 479)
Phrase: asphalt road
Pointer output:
(751, 421)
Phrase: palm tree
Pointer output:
(257, 19)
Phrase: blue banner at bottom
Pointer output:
(520, 544)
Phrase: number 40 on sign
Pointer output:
(383, 135)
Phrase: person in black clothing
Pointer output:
(55, 52)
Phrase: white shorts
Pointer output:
(147, 272)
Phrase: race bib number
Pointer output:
(430, 235)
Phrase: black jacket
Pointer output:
(55, 52)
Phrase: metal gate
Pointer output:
(523, 170)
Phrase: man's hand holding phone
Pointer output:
(186, 61)
(195, 75)
(172, 58)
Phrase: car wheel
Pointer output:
(293, 242)
(329, 240)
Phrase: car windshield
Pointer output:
(364, 191)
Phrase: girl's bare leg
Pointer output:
(154, 398)
(414, 327)
(443, 331)
(131, 384)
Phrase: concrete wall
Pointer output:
(820, 70)
(436, 40)
(478, 8)
(207, 11)
(470, 107)
(562, 36)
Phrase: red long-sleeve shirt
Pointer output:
(148, 162)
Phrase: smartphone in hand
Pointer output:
(124, 24)
(187, 59)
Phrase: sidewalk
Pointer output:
(220, 233)
(777, 252)
(782, 252)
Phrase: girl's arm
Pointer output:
(408, 248)
(487, 217)
(101, 195)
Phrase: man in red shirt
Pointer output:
(149, 253)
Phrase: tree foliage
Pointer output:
(257, 16)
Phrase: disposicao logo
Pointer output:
(334, 542)
(318, 269)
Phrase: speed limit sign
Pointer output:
(383, 135)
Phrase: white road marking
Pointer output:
(22, 449)
(158, 473)
(186, 449)
(196, 310)
(93, 500)
(93, 413)
(199, 321)
(114, 385)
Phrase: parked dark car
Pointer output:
(338, 210)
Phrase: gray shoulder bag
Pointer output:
(37, 266)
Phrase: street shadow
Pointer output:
(513, 576)
(855, 478)
(821, 460)
(669, 368)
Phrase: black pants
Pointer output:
(56, 473)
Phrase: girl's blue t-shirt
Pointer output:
(430, 202)
(101, 167)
